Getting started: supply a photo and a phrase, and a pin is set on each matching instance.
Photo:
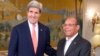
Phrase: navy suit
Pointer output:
(21, 42)
(78, 47)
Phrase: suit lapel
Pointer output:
(61, 53)
(73, 45)
(28, 35)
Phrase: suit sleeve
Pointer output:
(49, 50)
(86, 50)
(12, 50)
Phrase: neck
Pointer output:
(69, 37)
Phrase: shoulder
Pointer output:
(62, 41)
(82, 39)
(85, 42)
(21, 25)
(43, 26)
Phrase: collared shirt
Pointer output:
(36, 28)
(68, 42)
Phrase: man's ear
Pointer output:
(78, 27)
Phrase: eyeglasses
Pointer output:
(69, 25)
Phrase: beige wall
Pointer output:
(90, 7)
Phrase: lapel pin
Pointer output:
(41, 30)
(74, 42)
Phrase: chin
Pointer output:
(68, 35)
(32, 22)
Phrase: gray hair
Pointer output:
(35, 4)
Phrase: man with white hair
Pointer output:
(31, 38)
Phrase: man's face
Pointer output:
(70, 27)
(33, 15)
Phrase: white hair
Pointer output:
(35, 4)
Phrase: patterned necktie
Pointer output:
(34, 39)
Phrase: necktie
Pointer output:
(34, 39)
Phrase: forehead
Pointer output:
(33, 9)
(70, 20)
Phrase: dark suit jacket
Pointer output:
(78, 47)
(21, 42)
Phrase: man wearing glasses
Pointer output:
(73, 44)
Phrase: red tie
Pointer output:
(34, 39)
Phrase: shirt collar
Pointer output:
(30, 24)
(72, 38)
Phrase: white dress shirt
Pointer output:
(36, 29)
(68, 42)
